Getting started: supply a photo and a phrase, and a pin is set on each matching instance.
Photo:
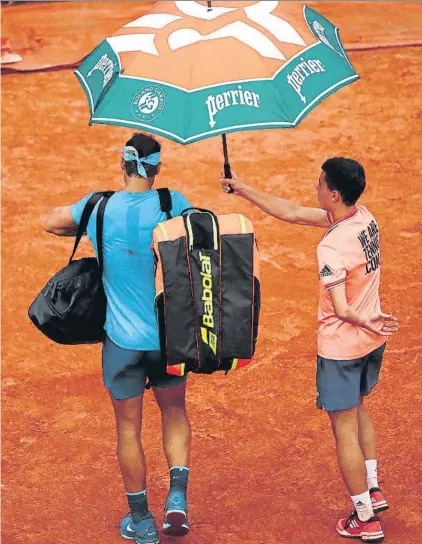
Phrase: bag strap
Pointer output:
(100, 225)
(202, 210)
(190, 228)
(165, 201)
(86, 214)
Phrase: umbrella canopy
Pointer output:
(188, 71)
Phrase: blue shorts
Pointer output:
(125, 371)
(341, 384)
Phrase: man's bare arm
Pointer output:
(378, 322)
(286, 210)
(280, 208)
(60, 222)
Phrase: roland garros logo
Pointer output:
(148, 103)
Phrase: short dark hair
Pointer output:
(345, 176)
(144, 144)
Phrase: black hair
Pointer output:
(345, 176)
(144, 145)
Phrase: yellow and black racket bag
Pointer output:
(207, 291)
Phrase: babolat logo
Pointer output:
(303, 70)
(106, 66)
(208, 337)
(226, 99)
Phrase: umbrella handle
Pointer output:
(227, 170)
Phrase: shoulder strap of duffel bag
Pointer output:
(86, 214)
(165, 201)
(100, 225)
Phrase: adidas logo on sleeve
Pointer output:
(325, 271)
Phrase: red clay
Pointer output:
(263, 466)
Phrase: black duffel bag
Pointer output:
(71, 308)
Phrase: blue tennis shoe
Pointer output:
(176, 514)
(143, 532)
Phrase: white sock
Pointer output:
(363, 505)
(371, 473)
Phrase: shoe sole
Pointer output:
(365, 537)
(175, 523)
(380, 508)
(133, 539)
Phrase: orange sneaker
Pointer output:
(367, 531)
(379, 504)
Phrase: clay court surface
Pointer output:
(263, 462)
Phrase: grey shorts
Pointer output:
(125, 371)
(340, 384)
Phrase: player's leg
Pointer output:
(170, 393)
(175, 423)
(125, 377)
(130, 454)
(177, 444)
(139, 524)
(367, 437)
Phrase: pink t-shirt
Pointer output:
(349, 253)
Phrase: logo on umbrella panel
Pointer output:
(238, 97)
(320, 32)
(106, 66)
(259, 13)
(303, 70)
(148, 103)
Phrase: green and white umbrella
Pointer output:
(191, 70)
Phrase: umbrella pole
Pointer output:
(227, 169)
